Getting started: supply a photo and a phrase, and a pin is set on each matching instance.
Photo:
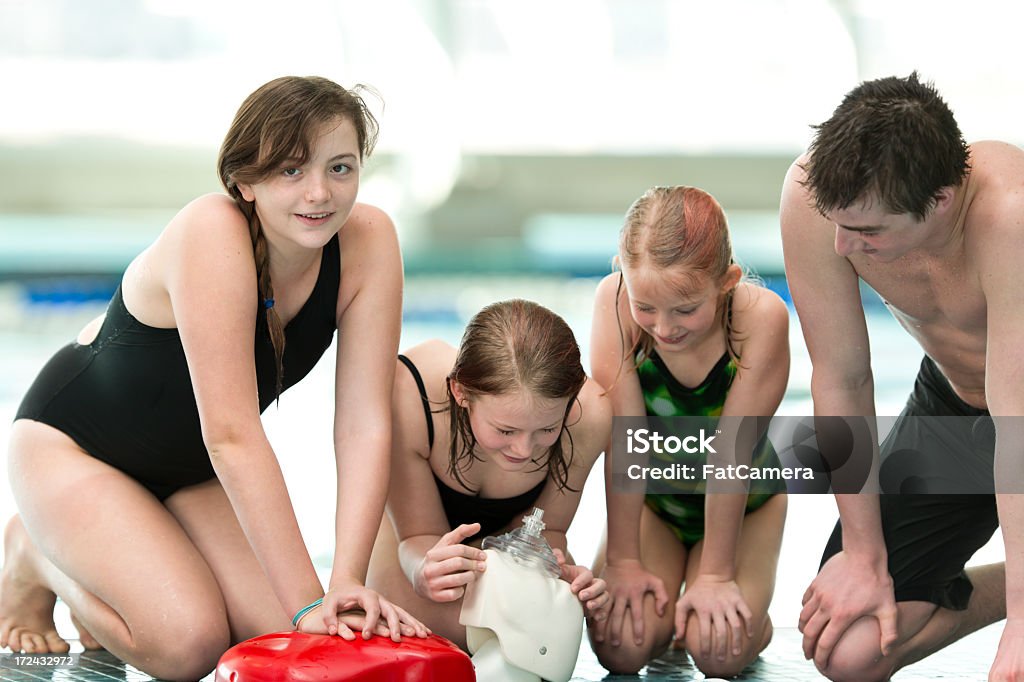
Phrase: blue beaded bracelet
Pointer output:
(304, 610)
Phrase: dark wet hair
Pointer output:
(891, 138)
(275, 123)
(510, 346)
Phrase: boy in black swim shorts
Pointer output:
(890, 194)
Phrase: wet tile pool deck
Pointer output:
(965, 661)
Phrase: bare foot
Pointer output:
(26, 606)
(88, 641)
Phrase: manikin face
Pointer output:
(513, 430)
(867, 228)
(307, 204)
(676, 320)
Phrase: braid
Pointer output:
(280, 122)
(266, 288)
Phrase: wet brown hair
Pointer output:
(511, 346)
(671, 228)
(893, 137)
(277, 123)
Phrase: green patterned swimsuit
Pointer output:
(664, 396)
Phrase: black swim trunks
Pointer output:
(127, 399)
(492, 513)
(930, 537)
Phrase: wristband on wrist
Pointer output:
(304, 610)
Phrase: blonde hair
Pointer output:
(669, 227)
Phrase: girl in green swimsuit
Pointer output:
(678, 333)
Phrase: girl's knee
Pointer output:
(732, 664)
(625, 659)
(187, 654)
(628, 658)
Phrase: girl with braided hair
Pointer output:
(147, 427)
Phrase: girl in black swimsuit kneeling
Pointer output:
(482, 434)
(150, 499)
